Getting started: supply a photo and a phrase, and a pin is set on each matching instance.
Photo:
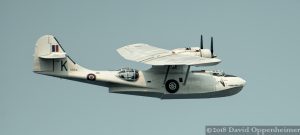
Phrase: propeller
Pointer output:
(201, 42)
(212, 47)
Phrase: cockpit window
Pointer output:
(128, 74)
(218, 73)
(230, 75)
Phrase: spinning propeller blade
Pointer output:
(212, 47)
(201, 42)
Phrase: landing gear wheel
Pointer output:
(172, 86)
(91, 77)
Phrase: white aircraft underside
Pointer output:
(169, 77)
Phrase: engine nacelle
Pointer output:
(206, 53)
(194, 51)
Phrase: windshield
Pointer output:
(218, 73)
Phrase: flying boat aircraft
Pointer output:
(170, 76)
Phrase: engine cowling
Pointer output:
(206, 53)
(194, 51)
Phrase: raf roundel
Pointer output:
(91, 77)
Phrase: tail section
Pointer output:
(51, 59)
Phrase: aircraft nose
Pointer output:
(242, 82)
(236, 82)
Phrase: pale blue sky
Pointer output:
(257, 40)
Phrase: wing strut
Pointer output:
(166, 76)
(187, 74)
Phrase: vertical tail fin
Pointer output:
(51, 59)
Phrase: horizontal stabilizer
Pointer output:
(54, 56)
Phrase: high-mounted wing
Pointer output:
(156, 56)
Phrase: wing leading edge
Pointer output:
(156, 56)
